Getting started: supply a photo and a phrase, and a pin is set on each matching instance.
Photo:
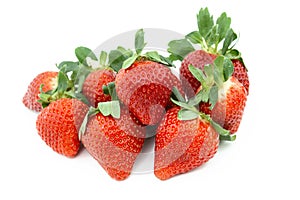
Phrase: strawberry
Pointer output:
(92, 86)
(181, 146)
(58, 125)
(209, 35)
(49, 81)
(222, 96)
(144, 84)
(185, 138)
(114, 142)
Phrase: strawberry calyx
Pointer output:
(212, 80)
(190, 112)
(122, 58)
(210, 35)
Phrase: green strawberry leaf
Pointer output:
(212, 39)
(233, 54)
(219, 71)
(83, 126)
(81, 75)
(76, 95)
(209, 72)
(207, 82)
(68, 66)
(92, 111)
(63, 83)
(139, 41)
(223, 23)
(230, 138)
(223, 133)
(156, 57)
(201, 96)
(177, 95)
(167, 61)
(110, 89)
(116, 111)
(198, 74)
(105, 108)
(82, 53)
(126, 52)
(116, 59)
(228, 68)
(179, 49)
(229, 38)
(185, 114)
(194, 37)
(129, 61)
(173, 58)
(110, 108)
(213, 96)
(205, 22)
(185, 105)
(103, 57)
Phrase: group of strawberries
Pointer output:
(109, 108)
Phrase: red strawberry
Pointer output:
(49, 80)
(229, 94)
(92, 86)
(209, 36)
(114, 143)
(58, 125)
(181, 146)
(145, 87)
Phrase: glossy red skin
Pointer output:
(58, 125)
(114, 143)
(199, 59)
(92, 86)
(48, 79)
(228, 111)
(146, 87)
(240, 72)
(181, 146)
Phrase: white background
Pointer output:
(262, 163)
